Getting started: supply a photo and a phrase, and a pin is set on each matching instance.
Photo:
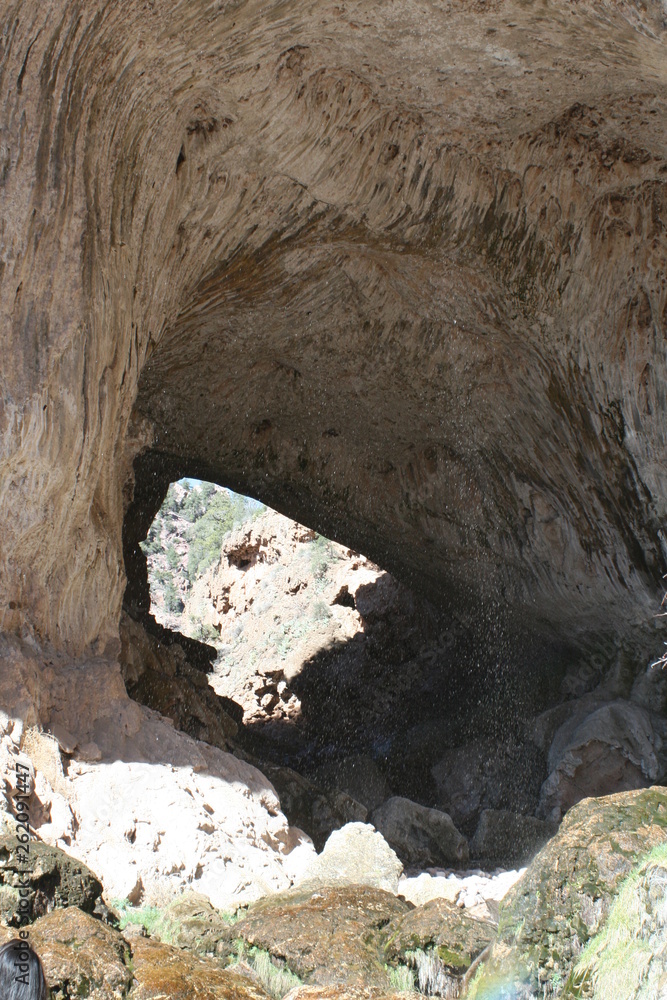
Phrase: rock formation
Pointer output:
(399, 273)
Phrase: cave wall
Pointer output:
(397, 269)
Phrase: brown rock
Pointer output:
(442, 927)
(419, 835)
(55, 880)
(342, 993)
(198, 926)
(162, 971)
(329, 937)
(82, 957)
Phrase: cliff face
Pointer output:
(397, 270)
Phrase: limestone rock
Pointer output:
(419, 835)
(327, 937)
(513, 415)
(82, 957)
(612, 749)
(508, 839)
(55, 879)
(354, 855)
(359, 776)
(163, 971)
(629, 957)
(153, 811)
(564, 897)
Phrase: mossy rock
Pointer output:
(82, 957)
(565, 896)
(438, 926)
(162, 971)
(329, 937)
(55, 880)
(199, 927)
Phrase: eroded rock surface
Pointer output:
(161, 970)
(55, 880)
(82, 957)
(149, 809)
(408, 308)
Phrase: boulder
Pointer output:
(162, 971)
(612, 749)
(309, 807)
(451, 939)
(55, 879)
(565, 895)
(508, 839)
(487, 774)
(327, 937)
(354, 855)
(358, 776)
(198, 926)
(82, 957)
(419, 835)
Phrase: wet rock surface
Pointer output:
(504, 837)
(565, 896)
(420, 836)
(163, 971)
(442, 927)
(327, 937)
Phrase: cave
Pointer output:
(399, 272)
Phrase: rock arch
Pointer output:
(399, 271)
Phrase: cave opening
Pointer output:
(335, 678)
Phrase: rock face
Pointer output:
(149, 809)
(565, 896)
(407, 308)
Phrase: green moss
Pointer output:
(454, 959)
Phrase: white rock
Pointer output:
(158, 812)
(354, 855)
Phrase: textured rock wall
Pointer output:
(397, 269)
